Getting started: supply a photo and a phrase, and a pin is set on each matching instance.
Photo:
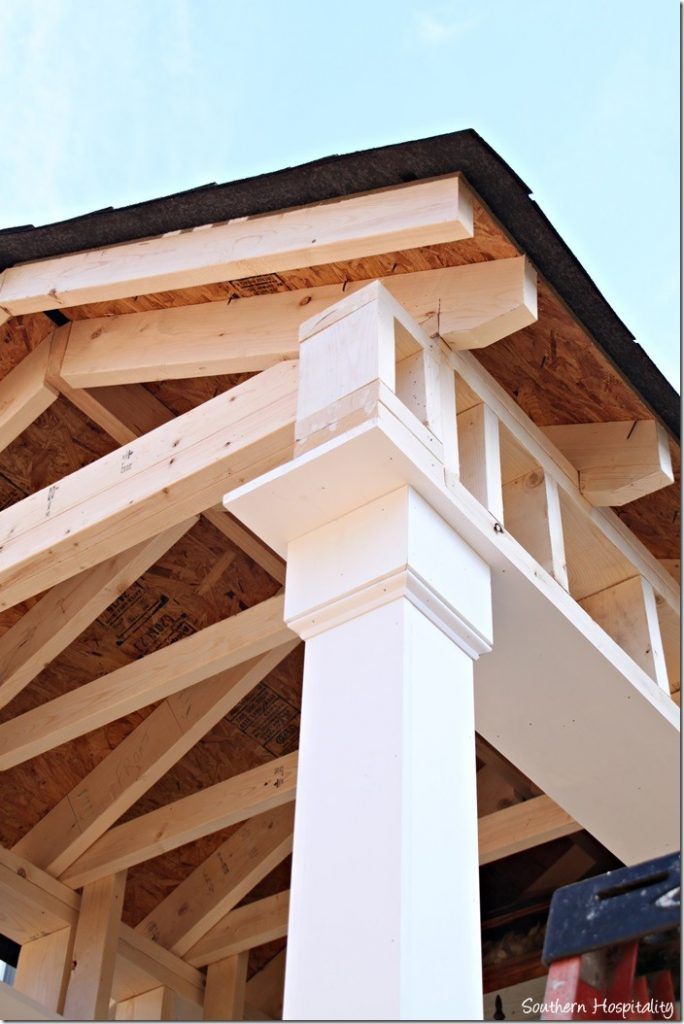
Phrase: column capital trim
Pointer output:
(405, 583)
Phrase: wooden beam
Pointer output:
(24, 394)
(97, 935)
(548, 456)
(265, 989)
(224, 998)
(34, 904)
(522, 826)
(470, 306)
(628, 612)
(423, 213)
(248, 542)
(160, 674)
(240, 930)
(146, 754)
(123, 412)
(221, 881)
(14, 1005)
(160, 479)
(227, 803)
(527, 824)
(532, 514)
(142, 965)
(58, 618)
(157, 1004)
(489, 755)
(617, 462)
(44, 968)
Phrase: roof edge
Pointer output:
(497, 184)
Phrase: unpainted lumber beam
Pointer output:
(422, 213)
(95, 945)
(260, 789)
(470, 306)
(224, 998)
(34, 904)
(63, 613)
(25, 393)
(221, 881)
(241, 929)
(617, 462)
(136, 492)
(522, 826)
(158, 675)
(159, 742)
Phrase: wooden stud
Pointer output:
(44, 968)
(480, 458)
(226, 803)
(224, 998)
(160, 674)
(138, 491)
(221, 881)
(522, 826)
(617, 462)
(671, 636)
(121, 778)
(423, 213)
(240, 930)
(49, 626)
(265, 990)
(34, 904)
(97, 933)
(157, 1004)
(24, 394)
(628, 613)
(532, 514)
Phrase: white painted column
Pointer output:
(385, 918)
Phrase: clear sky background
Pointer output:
(108, 102)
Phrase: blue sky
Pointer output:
(107, 102)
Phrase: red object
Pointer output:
(569, 997)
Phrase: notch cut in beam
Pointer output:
(64, 612)
(261, 789)
(160, 479)
(146, 754)
(617, 462)
(164, 672)
(423, 213)
(470, 306)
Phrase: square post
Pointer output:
(394, 606)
